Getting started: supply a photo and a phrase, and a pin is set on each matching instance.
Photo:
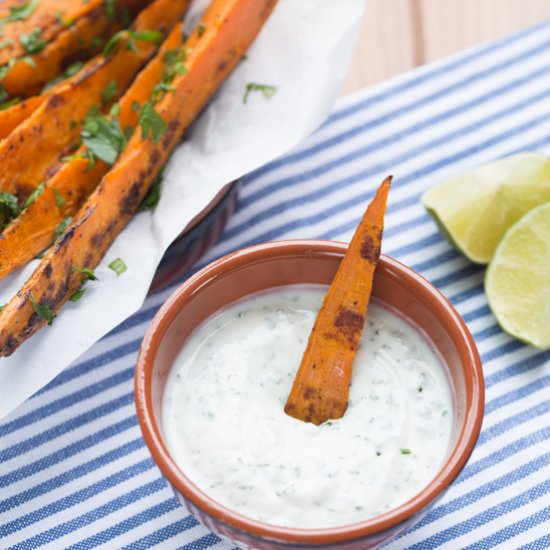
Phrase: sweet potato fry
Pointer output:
(141, 89)
(73, 44)
(321, 387)
(63, 194)
(69, 47)
(13, 116)
(227, 29)
(49, 17)
(30, 152)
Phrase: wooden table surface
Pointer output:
(397, 35)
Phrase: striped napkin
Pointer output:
(74, 471)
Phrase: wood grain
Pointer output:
(378, 55)
(397, 35)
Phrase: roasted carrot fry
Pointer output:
(74, 44)
(321, 387)
(13, 116)
(229, 28)
(63, 194)
(31, 151)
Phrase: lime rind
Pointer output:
(448, 235)
(475, 209)
(517, 282)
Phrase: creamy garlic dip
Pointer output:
(224, 422)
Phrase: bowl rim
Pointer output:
(456, 460)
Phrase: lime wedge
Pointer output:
(475, 209)
(517, 283)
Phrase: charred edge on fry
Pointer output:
(349, 324)
(171, 129)
(69, 233)
(370, 249)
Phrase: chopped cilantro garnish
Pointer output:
(3, 306)
(59, 198)
(9, 209)
(29, 60)
(21, 12)
(110, 10)
(267, 91)
(60, 229)
(70, 71)
(115, 110)
(153, 196)
(173, 66)
(146, 36)
(77, 295)
(34, 195)
(73, 69)
(9, 103)
(131, 37)
(96, 42)
(5, 43)
(118, 266)
(136, 106)
(102, 137)
(113, 42)
(90, 157)
(32, 42)
(87, 272)
(6, 68)
(43, 312)
(151, 123)
(405, 451)
(128, 131)
(109, 93)
(200, 30)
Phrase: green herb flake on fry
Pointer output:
(59, 198)
(34, 195)
(60, 229)
(109, 93)
(77, 295)
(110, 10)
(42, 311)
(9, 208)
(32, 42)
(18, 13)
(87, 272)
(151, 123)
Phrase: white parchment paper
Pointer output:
(303, 50)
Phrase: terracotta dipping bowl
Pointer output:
(282, 263)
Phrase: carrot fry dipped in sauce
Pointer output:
(321, 388)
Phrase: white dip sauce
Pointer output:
(225, 426)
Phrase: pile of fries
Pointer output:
(95, 95)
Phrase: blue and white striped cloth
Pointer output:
(74, 471)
